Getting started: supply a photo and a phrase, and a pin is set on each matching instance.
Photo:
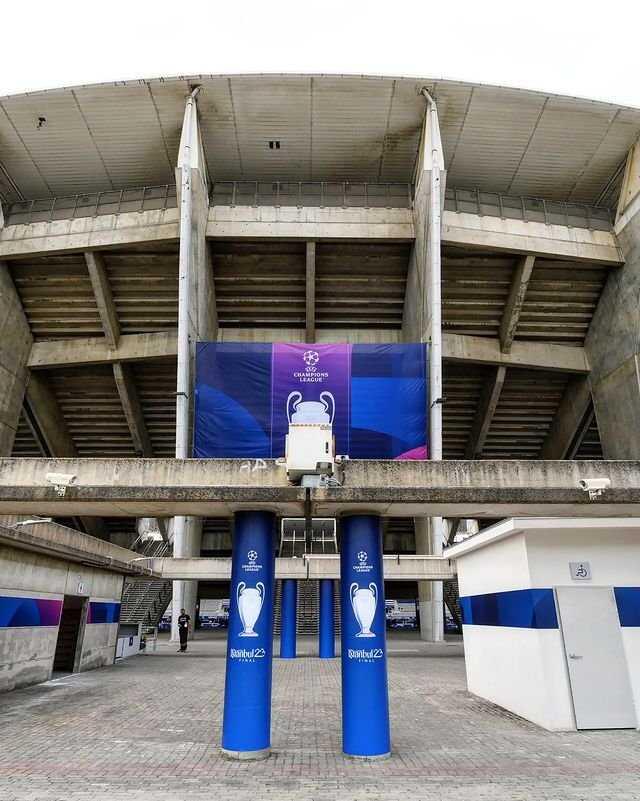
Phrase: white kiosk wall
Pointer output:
(514, 648)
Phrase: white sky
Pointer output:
(586, 48)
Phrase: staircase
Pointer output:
(145, 600)
(452, 600)
(308, 608)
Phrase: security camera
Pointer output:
(60, 481)
(594, 486)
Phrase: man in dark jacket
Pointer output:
(184, 624)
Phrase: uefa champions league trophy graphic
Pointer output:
(363, 602)
(316, 412)
(250, 600)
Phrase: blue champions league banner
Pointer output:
(247, 394)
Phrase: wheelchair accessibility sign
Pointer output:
(580, 571)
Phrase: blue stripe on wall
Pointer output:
(103, 612)
(628, 603)
(523, 609)
(18, 611)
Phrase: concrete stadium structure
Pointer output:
(501, 226)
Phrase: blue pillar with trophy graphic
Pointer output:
(246, 725)
(365, 698)
(326, 629)
(288, 610)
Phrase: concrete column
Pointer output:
(613, 341)
(428, 625)
(197, 321)
(422, 323)
(288, 618)
(15, 345)
(185, 593)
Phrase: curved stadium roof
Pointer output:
(331, 127)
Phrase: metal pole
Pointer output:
(435, 354)
(183, 388)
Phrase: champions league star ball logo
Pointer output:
(311, 358)
(362, 557)
(252, 556)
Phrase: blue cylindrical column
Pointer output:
(365, 699)
(288, 609)
(327, 627)
(246, 725)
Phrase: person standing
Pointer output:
(184, 626)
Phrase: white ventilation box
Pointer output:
(310, 447)
(310, 450)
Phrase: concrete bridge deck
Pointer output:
(218, 487)
(396, 568)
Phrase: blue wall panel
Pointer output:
(528, 609)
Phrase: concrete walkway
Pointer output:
(149, 728)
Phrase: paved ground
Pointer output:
(148, 730)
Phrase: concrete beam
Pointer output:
(132, 409)
(331, 224)
(515, 301)
(54, 540)
(396, 568)
(310, 223)
(104, 298)
(53, 437)
(311, 292)
(486, 409)
(535, 238)
(89, 233)
(218, 487)
(45, 411)
(533, 355)
(95, 350)
(164, 344)
(568, 420)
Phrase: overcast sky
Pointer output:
(586, 48)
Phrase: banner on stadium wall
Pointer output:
(246, 394)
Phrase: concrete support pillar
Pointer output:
(15, 344)
(422, 323)
(430, 608)
(246, 724)
(197, 320)
(288, 618)
(185, 593)
(612, 344)
(365, 697)
(326, 629)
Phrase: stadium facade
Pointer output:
(499, 226)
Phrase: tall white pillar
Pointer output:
(197, 320)
(422, 322)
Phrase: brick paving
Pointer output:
(148, 729)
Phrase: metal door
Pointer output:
(600, 686)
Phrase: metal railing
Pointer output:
(318, 194)
(91, 204)
(529, 209)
